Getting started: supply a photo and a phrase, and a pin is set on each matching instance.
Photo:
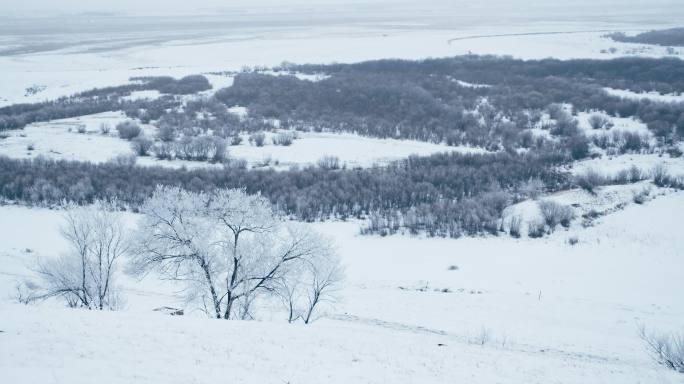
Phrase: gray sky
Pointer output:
(655, 10)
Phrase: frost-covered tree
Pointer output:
(86, 275)
(229, 247)
(311, 282)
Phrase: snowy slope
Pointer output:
(545, 311)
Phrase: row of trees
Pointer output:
(231, 250)
(447, 187)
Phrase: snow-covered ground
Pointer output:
(623, 124)
(655, 96)
(352, 150)
(611, 165)
(412, 309)
(511, 310)
(60, 139)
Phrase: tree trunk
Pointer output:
(214, 296)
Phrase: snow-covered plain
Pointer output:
(514, 311)
(65, 58)
(60, 139)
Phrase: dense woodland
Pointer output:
(491, 102)
(426, 100)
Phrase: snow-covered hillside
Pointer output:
(480, 310)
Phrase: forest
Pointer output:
(483, 101)
(673, 37)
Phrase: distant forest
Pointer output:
(673, 37)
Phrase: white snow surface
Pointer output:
(552, 312)
(611, 165)
(60, 139)
(655, 96)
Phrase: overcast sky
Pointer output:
(547, 8)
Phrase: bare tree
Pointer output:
(311, 282)
(239, 213)
(229, 247)
(85, 276)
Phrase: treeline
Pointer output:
(673, 37)
(106, 99)
(447, 194)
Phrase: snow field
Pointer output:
(514, 310)
(60, 139)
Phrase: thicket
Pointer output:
(426, 100)
(445, 194)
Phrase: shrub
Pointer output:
(105, 128)
(81, 128)
(674, 151)
(514, 227)
(600, 122)
(128, 130)
(532, 188)
(219, 150)
(535, 230)
(236, 140)
(632, 142)
(555, 213)
(284, 138)
(166, 133)
(200, 148)
(628, 176)
(556, 111)
(566, 126)
(579, 147)
(163, 151)
(660, 176)
(642, 196)
(30, 147)
(257, 138)
(589, 180)
(230, 163)
(124, 160)
(141, 145)
(667, 349)
(660, 128)
(329, 162)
